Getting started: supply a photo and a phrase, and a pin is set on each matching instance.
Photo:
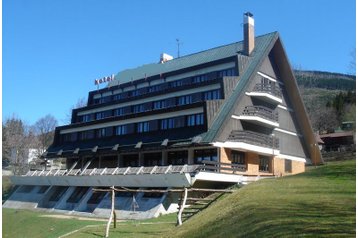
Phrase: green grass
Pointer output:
(23, 223)
(318, 203)
(157, 227)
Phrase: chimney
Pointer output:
(165, 57)
(249, 33)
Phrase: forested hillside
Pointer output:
(330, 98)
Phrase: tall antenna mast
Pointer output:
(178, 45)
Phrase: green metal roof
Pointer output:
(263, 45)
(202, 57)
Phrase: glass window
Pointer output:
(70, 137)
(176, 83)
(160, 104)
(227, 72)
(118, 112)
(116, 97)
(122, 130)
(87, 117)
(191, 120)
(87, 135)
(167, 123)
(195, 120)
(207, 154)
(199, 119)
(184, 100)
(99, 115)
(178, 157)
(138, 108)
(288, 166)
(143, 127)
(264, 164)
(200, 78)
(104, 132)
(237, 157)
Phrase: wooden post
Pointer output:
(111, 214)
(182, 207)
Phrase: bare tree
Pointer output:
(324, 119)
(44, 130)
(81, 102)
(17, 140)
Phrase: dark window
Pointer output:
(70, 137)
(195, 120)
(152, 159)
(134, 93)
(87, 117)
(105, 114)
(105, 99)
(170, 102)
(227, 72)
(288, 166)
(160, 104)
(196, 97)
(212, 95)
(178, 157)
(87, 135)
(104, 132)
(147, 106)
(183, 100)
(199, 78)
(142, 127)
(264, 164)
(176, 83)
(119, 112)
(116, 97)
(237, 157)
(127, 110)
(207, 154)
(179, 122)
(167, 124)
(130, 160)
(153, 125)
(138, 108)
(123, 129)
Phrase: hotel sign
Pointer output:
(104, 80)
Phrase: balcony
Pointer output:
(259, 115)
(251, 141)
(267, 92)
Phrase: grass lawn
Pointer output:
(318, 203)
(23, 223)
(158, 227)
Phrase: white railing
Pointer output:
(170, 169)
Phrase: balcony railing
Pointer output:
(254, 138)
(170, 169)
(220, 167)
(274, 90)
(262, 112)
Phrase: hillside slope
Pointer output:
(318, 203)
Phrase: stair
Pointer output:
(194, 205)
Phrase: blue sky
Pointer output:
(53, 50)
